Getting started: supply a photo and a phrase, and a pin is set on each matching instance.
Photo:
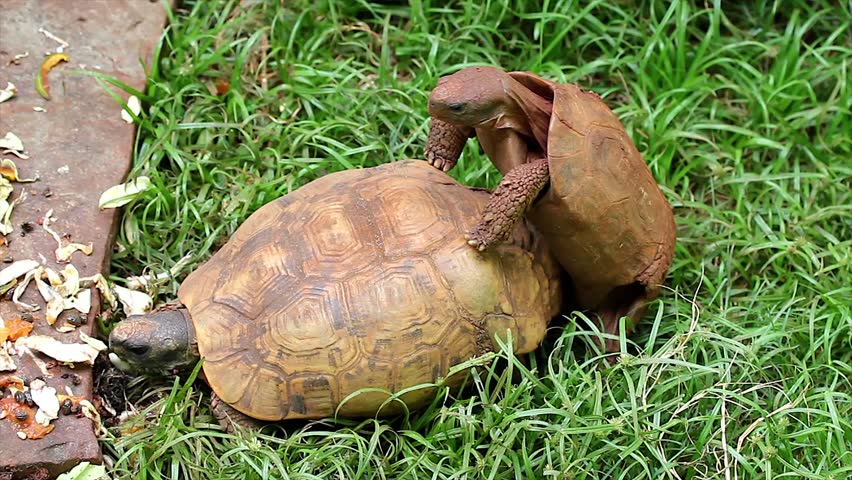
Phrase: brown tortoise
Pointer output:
(359, 279)
(571, 168)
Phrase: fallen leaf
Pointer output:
(7, 363)
(45, 398)
(6, 189)
(122, 194)
(138, 282)
(17, 269)
(64, 352)
(19, 290)
(6, 209)
(98, 281)
(55, 302)
(70, 284)
(134, 106)
(51, 61)
(82, 302)
(93, 342)
(63, 254)
(41, 364)
(52, 277)
(11, 142)
(134, 302)
(8, 92)
(84, 471)
(9, 170)
(90, 412)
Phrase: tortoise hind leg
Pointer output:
(629, 301)
(230, 418)
(508, 204)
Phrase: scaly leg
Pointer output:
(231, 418)
(508, 204)
(629, 301)
(445, 144)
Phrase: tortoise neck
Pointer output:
(192, 354)
(536, 108)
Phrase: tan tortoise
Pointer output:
(569, 167)
(359, 279)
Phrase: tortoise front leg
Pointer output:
(445, 144)
(230, 418)
(508, 204)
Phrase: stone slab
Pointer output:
(78, 148)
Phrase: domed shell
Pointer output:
(361, 279)
(603, 215)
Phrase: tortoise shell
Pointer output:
(603, 215)
(361, 279)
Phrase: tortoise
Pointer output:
(357, 280)
(571, 169)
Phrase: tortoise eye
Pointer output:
(137, 349)
(456, 107)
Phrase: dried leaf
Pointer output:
(52, 277)
(16, 270)
(139, 282)
(134, 106)
(93, 342)
(7, 363)
(63, 254)
(9, 170)
(51, 61)
(82, 302)
(90, 412)
(55, 302)
(19, 290)
(6, 189)
(6, 209)
(8, 92)
(123, 193)
(98, 281)
(11, 142)
(133, 301)
(64, 352)
(41, 364)
(7, 287)
(45, 398)
(6, 226)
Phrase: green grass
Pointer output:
(743, 114)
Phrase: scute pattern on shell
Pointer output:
(603, 215)
(360, 279)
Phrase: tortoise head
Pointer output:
(161, 340)
(471, 97)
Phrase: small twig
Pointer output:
(63, 44)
